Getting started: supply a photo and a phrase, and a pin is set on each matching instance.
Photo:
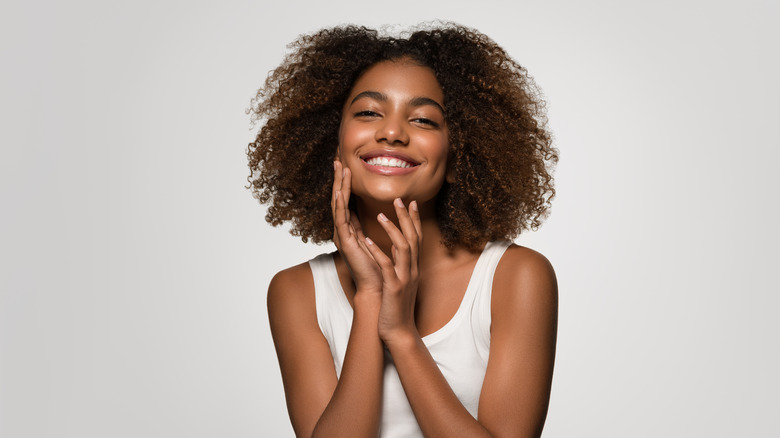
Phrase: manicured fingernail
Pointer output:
(413, 205)
(335, 165)
(399, 203)
(382, 217)
(369, 241)
(338, 193)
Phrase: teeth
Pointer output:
(388, 162)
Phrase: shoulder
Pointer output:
(524, 279)
(521, 266)
(291, 290)
(294, 277)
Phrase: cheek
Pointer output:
(439, 148)
(443, 155)
(352, 136)
(339, 148)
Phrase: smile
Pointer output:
(389, 162)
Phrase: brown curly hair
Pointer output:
(501, 154)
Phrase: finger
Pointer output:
(346, 185)
(358, 229)
(340, 219)
(334, 189)
(403, 259)
(353, 220)
(414, 213)
(364, 246)
(407, 227)
(337, 178)
(381, 259)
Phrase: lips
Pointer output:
(389, 159)
(388, 163)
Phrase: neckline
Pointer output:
(448, 326)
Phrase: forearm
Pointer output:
(355, 407)
(436, 407)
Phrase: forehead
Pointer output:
(402, 79)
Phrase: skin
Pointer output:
(403, 287)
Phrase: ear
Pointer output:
(450, 176)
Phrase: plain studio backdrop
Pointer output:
(134, 263)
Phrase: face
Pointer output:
(393, 134)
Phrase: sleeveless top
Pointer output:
(460, 348)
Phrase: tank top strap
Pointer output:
(483, 275)
(334, 314)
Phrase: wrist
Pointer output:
(366, 301)
(399, 339)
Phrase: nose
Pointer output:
(392, 131)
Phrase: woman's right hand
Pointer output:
(348, 235)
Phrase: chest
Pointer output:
(440, 292)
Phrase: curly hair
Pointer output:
(501, 154)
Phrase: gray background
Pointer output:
(133, 263)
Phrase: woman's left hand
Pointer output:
(399, 274)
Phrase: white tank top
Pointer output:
(460, 348)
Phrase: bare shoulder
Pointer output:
(524, 277)
(293, 278)
(291, 290)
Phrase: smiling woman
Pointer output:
(393, 136)
(419, 157)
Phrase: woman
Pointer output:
(419, 157)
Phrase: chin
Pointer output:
(387, 193)
(381, 197)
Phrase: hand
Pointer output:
(348, 235)
(399, 275)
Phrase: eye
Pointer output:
(366, 113)
(424, 121)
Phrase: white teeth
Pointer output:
(388, 162)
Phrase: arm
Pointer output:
(318, 403)
(308, 373)
(516, 389)
(355, 408)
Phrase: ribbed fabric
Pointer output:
(460, 348)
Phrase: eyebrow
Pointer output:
(417, 101)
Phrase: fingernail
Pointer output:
(369, 241)
(399, 203)
(338, 193)
(335, 165)
(382, 217)
(413, 205)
